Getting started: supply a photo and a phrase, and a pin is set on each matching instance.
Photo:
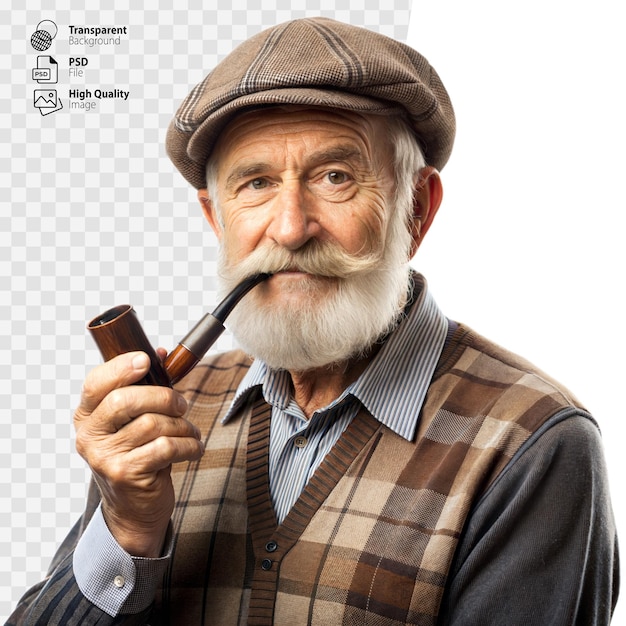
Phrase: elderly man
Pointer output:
(371, 461)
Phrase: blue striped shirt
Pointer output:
(392, 388)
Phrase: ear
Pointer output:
(426, 201)
(210, 213)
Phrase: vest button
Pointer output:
(271, 546)
(266, 564)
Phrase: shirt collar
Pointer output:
(393, 386)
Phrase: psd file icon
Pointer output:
(47, 70)
(47, 101)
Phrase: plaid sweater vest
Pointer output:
(373, 535)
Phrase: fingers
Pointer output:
(109, 400)
(139, 448)
(121, 406)
(163, 451)
(147, 445)
(120, 371)
(149, 427)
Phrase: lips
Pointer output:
(293, 274)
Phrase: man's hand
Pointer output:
(130, 436)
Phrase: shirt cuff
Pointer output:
(109, 577)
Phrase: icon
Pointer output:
(47, 70)
(46, 101)
(42, 38)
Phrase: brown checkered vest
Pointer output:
(373, 535)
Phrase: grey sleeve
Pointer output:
(540, 547)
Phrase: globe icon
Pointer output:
(41, 40)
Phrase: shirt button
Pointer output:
(271, 546)
(266, 564)
(119, 581)
(300, 442)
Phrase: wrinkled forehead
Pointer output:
(252, 129)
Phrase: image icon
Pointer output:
(47, 101)
(42, 38)
(47, 70)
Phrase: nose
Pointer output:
(294, 220)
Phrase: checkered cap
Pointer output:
(314, 62)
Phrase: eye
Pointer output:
(257, 183)
(337, 178)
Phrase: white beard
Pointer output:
(333, 319)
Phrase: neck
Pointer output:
(316, 388)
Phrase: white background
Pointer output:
(528, 245)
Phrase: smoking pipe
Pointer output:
(118, 330)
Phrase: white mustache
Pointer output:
(318, 258)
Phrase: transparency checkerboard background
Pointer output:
(93, 214)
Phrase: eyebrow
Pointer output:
(337, 153)
(245, 171)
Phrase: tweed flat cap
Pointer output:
(313, 62)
